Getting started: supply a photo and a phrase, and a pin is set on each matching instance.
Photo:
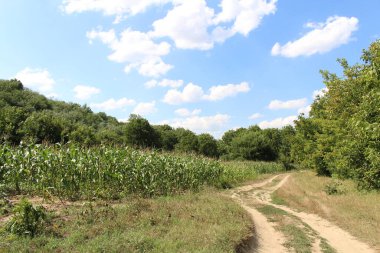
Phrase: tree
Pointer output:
(187, 141)
(45, 126)
(168, 137)
(140, 133)
(208, 145)
(342, 135)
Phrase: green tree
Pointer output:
(187, 141)
(140, 133)
(208, 146)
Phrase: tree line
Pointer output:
(32, 118)
(341, 136)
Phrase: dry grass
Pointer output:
(192, 222)
(357, 212)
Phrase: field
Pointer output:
(100, 198)
(339, 201)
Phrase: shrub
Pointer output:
(28, 220)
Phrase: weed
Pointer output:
(333, 188)
(28, 220)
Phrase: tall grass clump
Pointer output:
(236, 172)
(75, 172)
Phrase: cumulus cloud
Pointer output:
(255, 116)
(186, 24)
(194, 93)
(190, 94)
(290, 104)
(189, 22)
(305, 110)
(145, 108)
(85, 92)
(222, 91)
(135, 48)
(37, 79)
(335, 32)
(198, 124)
(164, 83)
(183, 112)
(112, 104)
(320, 93)
(278, 123)
(245, 14)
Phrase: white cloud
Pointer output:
(335, 32)
(290, 104)
(112, 104)
(305, 110)
(194, 93)
(255, 116)
(320, 93)
(278, 123)
(37, 79)
(198, 124)
(194, 25)
(183, 112)
(246, 14)
(222, 91)
(145, 108)
(191, 93)
(154, 68)
(164, 83)
(186, 24)
(135, 48)
(85, 92)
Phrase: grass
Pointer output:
(192, 222)
(239, 172)
(325, 247)
(299, 236)
(355, 211)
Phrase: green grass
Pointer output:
(277, 199)
(238, 172)
(74, 172)
(357, 212)
(196, 222)
(299, 236)
(325, 247)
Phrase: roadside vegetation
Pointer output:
(154, 188)
(355, 211)
(191, 222)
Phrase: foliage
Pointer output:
(333, 188)
(208, 146)
(70, 171)
(27, 219)
(342, 135)
(140, 133)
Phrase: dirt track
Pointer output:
(271, 240)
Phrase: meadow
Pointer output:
(71, 198)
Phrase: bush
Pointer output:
(28, 220)
(333, 188)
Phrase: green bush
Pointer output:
(28, 220)
(333, 188)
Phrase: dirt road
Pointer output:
(269, 236)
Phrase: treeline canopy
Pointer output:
(342, 134)
(30, 117)
(340, 137)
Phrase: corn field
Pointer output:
(74, 172)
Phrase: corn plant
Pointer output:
(74, 172)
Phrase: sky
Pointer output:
(208, 66)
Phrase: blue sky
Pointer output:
(208, 66)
